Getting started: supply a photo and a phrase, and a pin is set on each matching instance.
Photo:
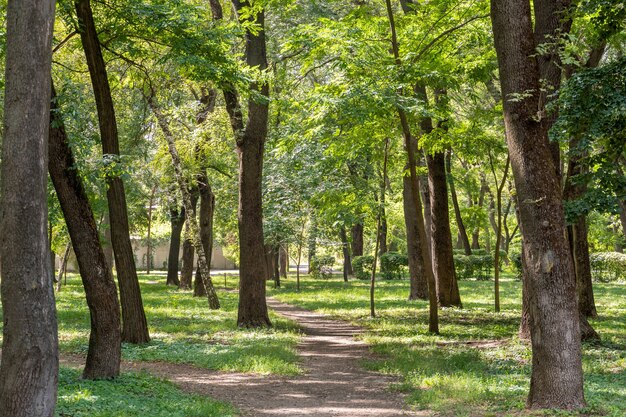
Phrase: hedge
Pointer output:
(322, 266)
(393, 265)
(608, 266)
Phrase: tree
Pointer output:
(105, 344)
(556, 379)
(30, 362)
(135, 325)
(177, 221)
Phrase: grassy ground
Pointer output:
(131, 395)
(476, 367)
(184, 330)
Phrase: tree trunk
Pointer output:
(481, 203)
(135, 326)
(63, 264)
(177, 220)
(207, 209)
(105, 344)
(107, 246)
(428, 222)
(433, 319)
(347, 262)
(556, 379)
(357, 239)
(30, 361)
(275, 264)
(381, 213)
(312, 241)
(417, 274)
(498, 228)
(442, 253)
(186, 271)
(213, 300)
(149, 240)
(457, 210)
(383, 230)
(284, 261)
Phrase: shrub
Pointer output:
(516, 260)
(362, 266)
(393, 264)
(463, 266)
(608, 266)
(322, 266)
(478, 266)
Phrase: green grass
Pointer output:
(184, 330)
(444, 373)
(131, 395)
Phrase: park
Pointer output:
(322, 208)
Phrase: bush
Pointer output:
(362, 266)
(393, 265)
(478, 266)
(516, 260)
(608, 266)
(322, 266)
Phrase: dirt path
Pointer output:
(334, 384)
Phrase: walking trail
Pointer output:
(333, 385)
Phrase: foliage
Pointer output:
(516, 260)
(362, 266)
(131, 395)
(393, 265)
(477, 266)
(608, 266)
(477, 366)
(322, 266)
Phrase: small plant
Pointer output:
(393, 265)
(322, 266)
(362, 266)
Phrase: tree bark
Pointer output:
(457, 210)
(207, 209)
(498, 228)
(177, 220)
(441, 244)
(105, 343)
(556, 379)
(30, 362)
(149, 240)
(357, 239)
(135, 325)
(284, 261)
(63, 264)
(107, 246)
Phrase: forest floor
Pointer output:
(334, 383)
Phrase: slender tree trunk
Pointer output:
(135, 326)
(276, 269)
(457, 210)
(383, 248)
(312, 241)
(63, 264)
(283, 261)
(105, 343)
(149, 242)
(556, 379)
(347, 262)
(186, 271)
(442, 253)
(433, 319)
(213, 300)
(417, 274)
(381, 213)
(498, 229)
(481, 203)
(426, 199)
(177, 220)
(30, 361)
(207, 209)
(107, 246)
(357, 239)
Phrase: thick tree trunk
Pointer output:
(457, 210)
(186, 271)
(556, 379)
(107, 246)
(347, 262)
(30, 361)
(426, 200)
(442, 253)
(357, 239)
(135, 326)
(207, 209)
(177, 220)
(417, 274)
(105, 344)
